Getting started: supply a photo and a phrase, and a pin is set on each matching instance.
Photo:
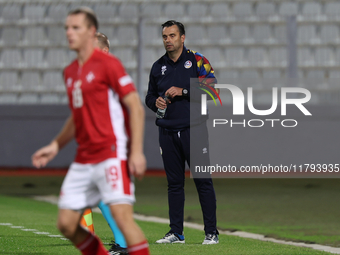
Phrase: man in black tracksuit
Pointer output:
(170, 76)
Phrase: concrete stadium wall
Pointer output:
(25, 128)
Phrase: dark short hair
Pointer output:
(171, 23)
(90, 16)
(103, 40)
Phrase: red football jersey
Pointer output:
(95, 91)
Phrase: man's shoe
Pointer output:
(116, 249)
(210, 239)
(171, 237)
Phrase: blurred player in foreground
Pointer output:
(106, 115)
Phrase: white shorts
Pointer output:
(86, 184)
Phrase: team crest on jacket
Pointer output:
(187, 64)
(163, 69)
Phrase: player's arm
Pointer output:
(137, 161)
(44, 155)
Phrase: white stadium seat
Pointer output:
(332, 9)
(30, 81)
(11, 13)
(278, 56)
(217, 34)
(330, 34)
(105, 12)
(128, 11)
(272, 78)
(127, 35)
(265, 9)
(262, 33)
(33, 58)
(288, 8)
(57, 12)
(28, 98)
(250, 78)
(242, 10)
(11, 58)
(9, 80)
(11, 35)
(239, 33)
(324, 56)
(305, 57)
(235, 56)
(152, 10)
(334, 79)
(315, 79)
(307, 34)
(174, 10)
(34, 36)
(56, 58)
(219, 10)
(49, 99)
(34, 12)
(56, 36)
(197, 10)
(53, 81)
(257, 56)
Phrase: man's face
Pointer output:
(78, 32)
(171, 39)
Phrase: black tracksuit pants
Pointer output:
(175, 147)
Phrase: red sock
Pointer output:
(92, 246)
(139, 249)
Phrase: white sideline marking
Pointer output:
(28, 229)
(55, 235)
(41, 233)
(54, 200)
(17, 227)
(5, 224)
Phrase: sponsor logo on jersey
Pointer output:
(188, 64)
(163, 69)
(90, 77)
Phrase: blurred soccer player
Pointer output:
(106, 115)
(103, 43)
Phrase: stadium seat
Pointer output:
(8, 98)
(28, 98)
(11, 58)
(63, 99)
(242, 10)
(235, 56)
(250, 78)
(315, 79)
(306, 34)
(127, 56)
(49, 99)
(332, 10)
(10, 36)
(174, 10)
(128, 11)
(57, 12)
(34, 58)
(105, 12)
(229, 77)
(305, 57)
(71, 56)
(34, 12)
(152, 10)
(30, 81)
(278, 56)
(195, 34)
(56, 36)
(152, 34)
(56, 58)
(11, 13)
(127, 35)
(34, 36)
(288, 8)
(265, 10)
(197, 11)
(239, 34)
(311, 10)
(217, 34)
(219, 10)
(324, 56)
(272, 78)
(334, 79)
(329, 34)
(53, 82)
(9, 81)
(280, 34)
(257, 56)
(215, 57)
(262, 34)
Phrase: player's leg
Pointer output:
(174, 165)
(118, 235)
(79, 192)
(197, 154)
(116, 188)
(135, 239)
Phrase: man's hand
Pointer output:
(160, 103)
(137, 165)
(44, 155)
(174, 91)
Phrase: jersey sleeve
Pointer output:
(120, 81)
